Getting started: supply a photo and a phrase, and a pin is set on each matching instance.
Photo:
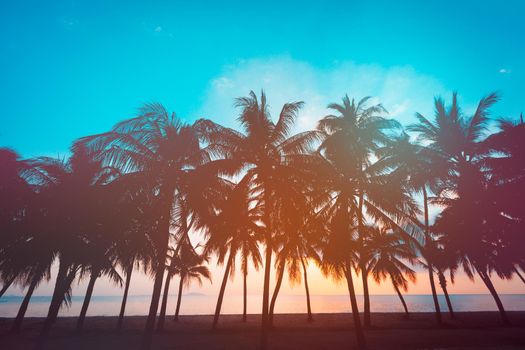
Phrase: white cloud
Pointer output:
(401, 89)
(504, 71)
(158, 29)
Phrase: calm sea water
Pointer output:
(198, 304)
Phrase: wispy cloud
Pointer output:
(157, 29)
(401, 89)
(504, 71)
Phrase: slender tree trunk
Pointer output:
(364, 272)
(308, 305)
(164, 231)
(162, 316)
(366, 295)
(443, 284)
(486, 279)
(275, 293)
(87, 299)
(519, 274)
(179, 298)
(6, 286)
(62, 285)
(125, 297)
(223, 289)
(429, 264)
(23, 307)
(402, 299)
(245, 293)
(267, 268)
(360, 335)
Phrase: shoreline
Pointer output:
(292, 331)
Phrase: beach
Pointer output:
(469, 330)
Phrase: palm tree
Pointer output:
(422, 167)
(235, 230)
(164, 152)
(352, 137)
(190, 267)
(263, 153)
(389, 257)
(457, 138)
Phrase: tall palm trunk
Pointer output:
(276, 292)
(62, 285)
(443, 284)
(486, 279)
(23, 307)
(308, 306)
(364, 272)
(164, 232)
(129, 271)
(429, 264)
(179, 298)
(6, 286)
(223, 288)
(87, 299)
(245, 291)
(267, 268)
(162, 316)
(366, 296)
(360, 335)
(401, 298)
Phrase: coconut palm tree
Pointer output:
(352, 136)
(422, 167)
(389, 258)
(457, 138)
(232, 231)
(263, 152)
(164, 152)
(190, 266)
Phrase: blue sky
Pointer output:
(71, 68)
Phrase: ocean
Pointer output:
(200, 304)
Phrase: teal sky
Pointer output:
(71, 68)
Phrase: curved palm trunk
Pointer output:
(62, 284)
(429, 265)
(87, 299)
(6, 286)
(366, 296)
(360, 335)
(486, 279)
(245, 292)
(129, 271)
(164, 231)
(401, 298)
(162, 316)
(443, 284)
(23, 307)
(267, 267)
(179, 298)
(223, 288)
(275, 293)
(308, 306)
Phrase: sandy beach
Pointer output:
(470, 330)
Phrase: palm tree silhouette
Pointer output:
(164, 152)
(190, 266)
(263, 152)
(390, 252)
(457, 138)
(235, 230)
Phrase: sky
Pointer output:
(73, 68)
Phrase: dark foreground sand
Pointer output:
(328, 331)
